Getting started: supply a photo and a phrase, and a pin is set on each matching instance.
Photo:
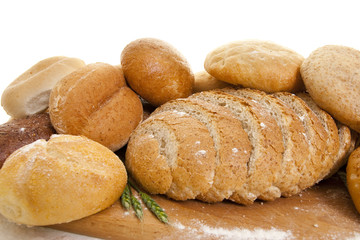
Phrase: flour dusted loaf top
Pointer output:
(60, 180)
(238, 144)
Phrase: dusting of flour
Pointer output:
(199, 230)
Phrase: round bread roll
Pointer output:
(256, 64)
(95, 102)
(64, 179)
(156, 71)
(353, 177)
(29, 93)
(204, 82)
(332, 77)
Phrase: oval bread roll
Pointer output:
(29, 93)
(94, 101)
(256, 64)
(64, 179)
(156, 70)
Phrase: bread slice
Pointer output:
(347, 139)
(231, 143)
(315, 135)
(173, 154)
(332, 138)
(267, 147)
(292, 129)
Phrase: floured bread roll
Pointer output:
(256, 64)
(64, 179)
(29, 93)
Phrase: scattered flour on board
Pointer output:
(199, 230)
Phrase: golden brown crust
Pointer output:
(331, 75)
(256, 64)
(64, 179)
(20, 132)
(156, 71)
(94, 101)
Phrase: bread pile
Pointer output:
(263, 139)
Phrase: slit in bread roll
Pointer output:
(29, 93)
(60, 180)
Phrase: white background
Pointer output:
(97, 31)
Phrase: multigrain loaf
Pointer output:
(266, 141)
(230, 141)
(287, 142)
(296, 147)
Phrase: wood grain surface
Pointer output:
(324, 211)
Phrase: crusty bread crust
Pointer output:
(156, 70)
(94, 101)
(61, 180)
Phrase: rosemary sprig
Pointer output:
(151, 204)
(125, 198)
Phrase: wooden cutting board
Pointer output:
(324, 211)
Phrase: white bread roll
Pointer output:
(64, 179)
(29, 93)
